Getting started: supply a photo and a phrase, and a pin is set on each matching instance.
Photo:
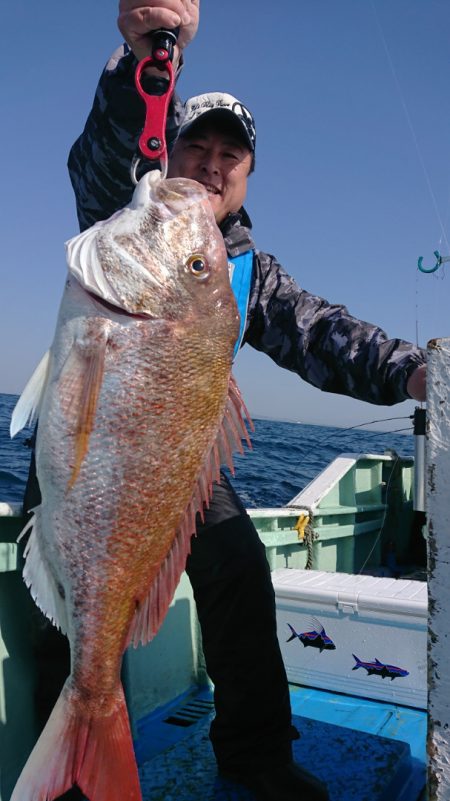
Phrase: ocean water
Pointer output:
(284, 458)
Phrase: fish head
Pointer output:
(181, 246)
(162, 256)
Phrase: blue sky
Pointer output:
(353, 166)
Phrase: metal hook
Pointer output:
(439, 260)
(134, 168)
(162, 164)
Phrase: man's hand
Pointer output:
(417, 383)
(137, 18)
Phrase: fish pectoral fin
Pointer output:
(27, 407)
(87, 403)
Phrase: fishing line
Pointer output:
(410, 125)
(383, 521)
(335, 433)
(417, 308)
(369, 423)
(321, 442)
(383, 420)
(394, 464)
(443, 236)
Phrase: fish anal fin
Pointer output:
(87, 403)
(152, 609)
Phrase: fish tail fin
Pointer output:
(293, 633)
(358, 662)
(93, 752)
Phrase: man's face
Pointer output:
(218, 160)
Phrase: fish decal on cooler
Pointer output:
(377, 668)
(316, 638)
(137, 411)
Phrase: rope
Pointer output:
(306, 533)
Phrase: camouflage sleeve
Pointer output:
(323, 343)
(99, 161)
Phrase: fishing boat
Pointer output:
(350, 578)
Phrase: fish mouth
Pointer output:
(111, 307)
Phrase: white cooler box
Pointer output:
(359, 635)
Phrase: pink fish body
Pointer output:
(138, 405)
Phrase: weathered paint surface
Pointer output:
(438, 516)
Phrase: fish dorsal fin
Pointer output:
(27, 407)
(152, 610)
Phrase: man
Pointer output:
(213, 141)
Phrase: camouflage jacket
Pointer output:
(304, 333)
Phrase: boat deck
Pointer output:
(370, 751)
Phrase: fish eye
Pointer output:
(198, 265)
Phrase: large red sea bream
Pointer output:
(136, 405)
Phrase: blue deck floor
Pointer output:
(364, 750)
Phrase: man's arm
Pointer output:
(326, 346)
(99, 161)
(416, 385)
